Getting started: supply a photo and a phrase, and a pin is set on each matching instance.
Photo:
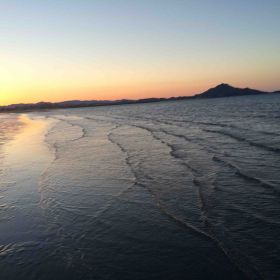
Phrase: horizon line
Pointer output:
(128, 100)
(131, 100)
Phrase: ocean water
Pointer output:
(171, 190)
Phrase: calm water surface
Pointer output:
(171, 190)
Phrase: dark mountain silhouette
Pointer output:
(225, 90)
(222, 90)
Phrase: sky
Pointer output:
(58, 50)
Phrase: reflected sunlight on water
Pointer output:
(26, 147)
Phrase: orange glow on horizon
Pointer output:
(58, 94)
(115, 93)
(35, 78)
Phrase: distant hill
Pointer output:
(225, 90)
(81, 103)
(222, 90)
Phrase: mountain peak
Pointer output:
(226, 90)
(223, 85)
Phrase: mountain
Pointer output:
(225, 90)
(222, 90)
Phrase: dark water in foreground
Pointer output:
(173, 190)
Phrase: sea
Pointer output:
(168, 190)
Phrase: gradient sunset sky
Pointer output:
(56, 50)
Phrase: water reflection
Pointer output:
(28, 147)
(22, 225)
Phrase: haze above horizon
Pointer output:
(63, 50)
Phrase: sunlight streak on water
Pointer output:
(26, 149)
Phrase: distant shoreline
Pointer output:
(220, 91)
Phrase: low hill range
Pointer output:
(222, 90)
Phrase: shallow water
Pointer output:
(171, 190)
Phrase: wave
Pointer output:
(242, 139)
(210, 235)
(68, 121)
(139, 179)
(208, 230)
(247, 177)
